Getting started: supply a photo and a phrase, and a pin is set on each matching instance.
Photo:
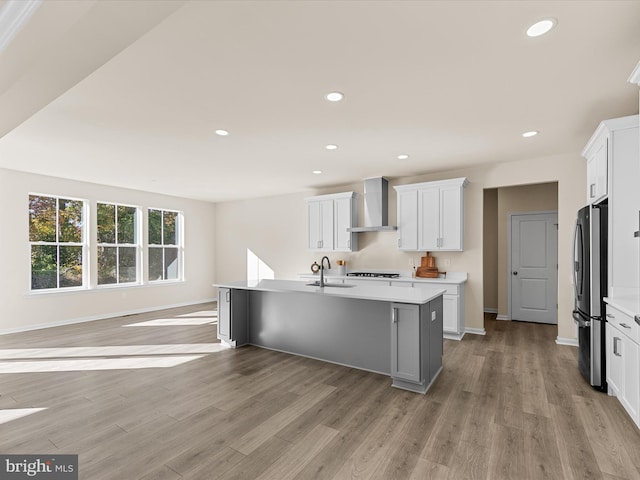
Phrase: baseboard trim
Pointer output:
(475, 331)
(93, 318)
(490, 310)
(453, 336)
(572, 342)
(503, 317)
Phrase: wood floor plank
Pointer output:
(506, 457)
(576, 454)
(447, 431)
(427, 470)
(404, 455)
(253, 439)
(472, 462)
(302, 452)
(610, 453)
(354, 428)
(372, 455)
(541, 459)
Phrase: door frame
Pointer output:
(511, 215)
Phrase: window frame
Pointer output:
(83, 244)
(137, 244)
(179, 245)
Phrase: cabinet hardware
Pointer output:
(624, 325)
(610, 316)
(399, 244)
(615, 346)
(637, 319)
(393, 316)
(228, 296)
(592, 192)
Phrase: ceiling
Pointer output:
(130, 93)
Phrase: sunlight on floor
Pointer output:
(110, 351)
(93, 364)
(174, 322)
(202, 317)
(201, 313)
(9, 414)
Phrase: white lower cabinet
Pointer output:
(453, 311)
(450, 313)
(615, 365)
(623, 361)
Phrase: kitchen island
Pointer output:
(394, 331)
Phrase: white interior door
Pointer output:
(534, 267)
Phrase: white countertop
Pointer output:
(456, 278)
(382, 293)
(629, 305)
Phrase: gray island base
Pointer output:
(382, 329)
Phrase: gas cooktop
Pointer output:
(373, 274)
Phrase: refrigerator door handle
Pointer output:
(576, 265)
(577, 318)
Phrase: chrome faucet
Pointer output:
(322, 270)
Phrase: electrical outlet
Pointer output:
(447, 262)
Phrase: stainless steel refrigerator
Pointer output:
(590, 286)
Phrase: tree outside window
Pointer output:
(164, 245)
(117, 244)
(56, 237)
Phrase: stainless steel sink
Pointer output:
(340, 285)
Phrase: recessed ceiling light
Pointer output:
(532, 133)
(317, 172)
(222, 133)
(334, 96)
(403, 156)
(541, 27)
(331, 147)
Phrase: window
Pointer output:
(117, 244)
(164, 245)
(57, 242)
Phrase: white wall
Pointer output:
(20, 309)
(275, 229)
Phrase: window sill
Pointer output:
(103, 288)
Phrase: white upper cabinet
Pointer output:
(407, 219)
(597, 170)
(431, 215)
(616, 141)
(329, 218)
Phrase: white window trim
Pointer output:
(86, 260)
(179, 245)
(137, 245)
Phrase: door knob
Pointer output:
(515, 273)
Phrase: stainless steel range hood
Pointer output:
(376, 206)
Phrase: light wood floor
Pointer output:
(508, 405)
